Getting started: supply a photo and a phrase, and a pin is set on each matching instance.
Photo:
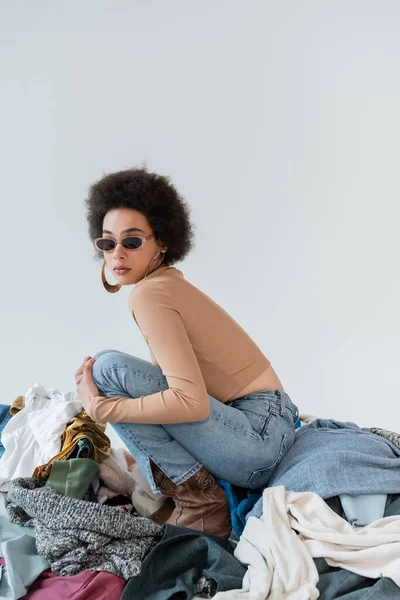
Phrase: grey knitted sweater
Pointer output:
(76, 535)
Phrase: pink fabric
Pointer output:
(116, 473)
(88, 585)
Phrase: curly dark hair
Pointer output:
(155, 197)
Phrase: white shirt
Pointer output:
(296, 527)
(33, 435)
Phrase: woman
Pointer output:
(209, 404)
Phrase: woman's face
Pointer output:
(115, 224)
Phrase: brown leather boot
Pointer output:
(165, 511)
(200, 502)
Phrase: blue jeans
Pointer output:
(241, 442)
(5, 416)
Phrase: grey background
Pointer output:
(279, 123)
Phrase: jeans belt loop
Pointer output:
(283, 402)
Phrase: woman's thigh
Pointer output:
(117, 373)
(241, 444)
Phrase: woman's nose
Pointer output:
(116, 251)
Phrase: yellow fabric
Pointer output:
(77, 428)
(17, 405)
(199, 347)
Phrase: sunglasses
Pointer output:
(131, 242)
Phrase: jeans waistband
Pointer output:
(279, 396)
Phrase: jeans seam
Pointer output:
(252, 433)
(106, 370)
(156, 461)
(289, 421)
(265, 427)
(282, 449)
(145, 452)
(5, 420)
(283, 403)
(189, 473)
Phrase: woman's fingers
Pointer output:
(87, 369)
(89, 363)
(88, 360)
(81, 367)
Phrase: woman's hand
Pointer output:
(85, 385)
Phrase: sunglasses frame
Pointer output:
(144, 240)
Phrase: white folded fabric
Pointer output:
(279, 560)
(33, 435)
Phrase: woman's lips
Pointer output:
(121, 271)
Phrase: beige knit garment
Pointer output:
(199, 347)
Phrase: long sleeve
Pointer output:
(160, 322)
(153, 358)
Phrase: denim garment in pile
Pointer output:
(332, 458)
(5, 416)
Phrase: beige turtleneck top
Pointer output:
(199, 347)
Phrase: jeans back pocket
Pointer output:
(255, 410)
(260, 477)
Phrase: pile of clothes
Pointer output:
(74, 517)
(77, 511)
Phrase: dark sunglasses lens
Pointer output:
(132, 243)
(105, 244)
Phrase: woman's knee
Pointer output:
(116, 372)
(98, 354)
(110, 366)
(105, 360)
